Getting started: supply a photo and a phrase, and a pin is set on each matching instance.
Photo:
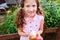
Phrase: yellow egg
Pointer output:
(33, 35)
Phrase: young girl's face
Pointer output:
(30, 7)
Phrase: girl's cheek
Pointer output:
(35, 9)
(26, 9)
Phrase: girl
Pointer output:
(29, 20)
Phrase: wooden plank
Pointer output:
(15, 36)
(9, 36)
(51, 30)
(58, 33)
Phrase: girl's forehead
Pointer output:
(30, 1)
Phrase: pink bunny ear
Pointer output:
(38, 37)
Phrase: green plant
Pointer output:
(52, 13)
(10, 21)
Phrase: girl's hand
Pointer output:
(32, 35)
(39, 32)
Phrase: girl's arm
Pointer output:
(21, 33)
(41, 27)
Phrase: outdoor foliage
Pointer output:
(52, 12)
(10, 20)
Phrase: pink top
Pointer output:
(31, 25)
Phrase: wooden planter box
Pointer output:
(15, 36)
(50, 34)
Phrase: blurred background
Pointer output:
(8, 9)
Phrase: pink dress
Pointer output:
(33, 24)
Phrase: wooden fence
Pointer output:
(15, 36)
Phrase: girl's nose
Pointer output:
(31, 9)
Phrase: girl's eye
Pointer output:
(27, 5)
(33, 5)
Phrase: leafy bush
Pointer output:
(10, 20)
(52, 13)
